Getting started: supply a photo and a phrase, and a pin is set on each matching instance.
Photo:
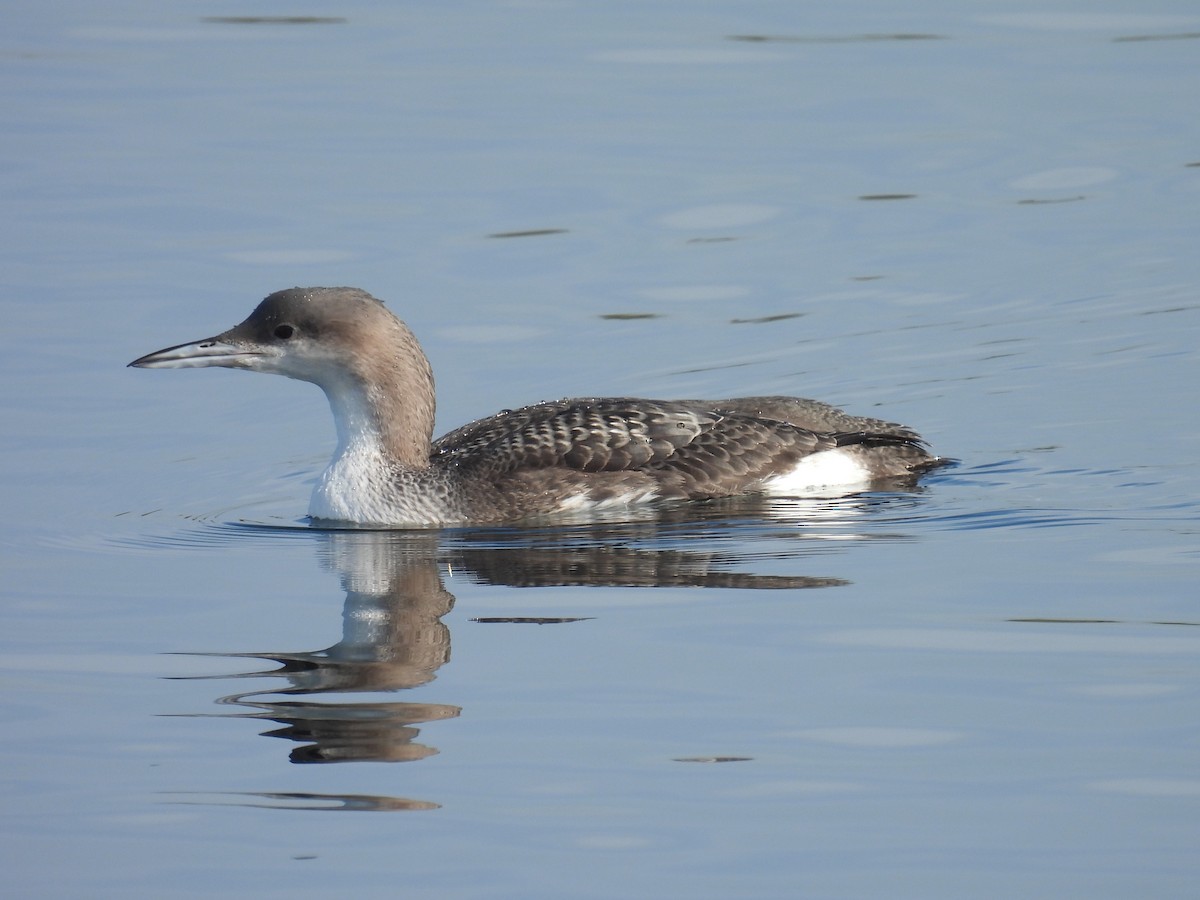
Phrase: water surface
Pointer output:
(977, 221)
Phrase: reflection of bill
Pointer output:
(393, 638)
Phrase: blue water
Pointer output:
(978, 220)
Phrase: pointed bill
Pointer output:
(209, 352)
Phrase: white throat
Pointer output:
(355, 485)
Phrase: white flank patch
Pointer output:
(583, 503)
(828, 468)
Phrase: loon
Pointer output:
(562, 456)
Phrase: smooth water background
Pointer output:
(975, 218)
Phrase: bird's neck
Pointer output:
(384, 426)
(385, 409)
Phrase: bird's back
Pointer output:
(583, 452)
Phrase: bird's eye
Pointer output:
(283, 332)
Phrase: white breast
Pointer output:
(353, 487)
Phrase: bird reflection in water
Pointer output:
(393, 636)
